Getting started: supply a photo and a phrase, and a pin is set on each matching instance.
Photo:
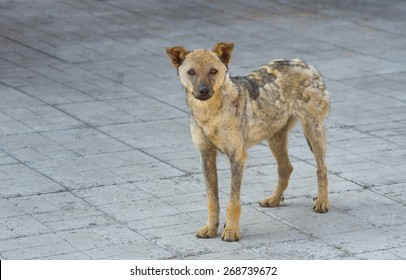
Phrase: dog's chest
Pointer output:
(222, 131)
(219, 130)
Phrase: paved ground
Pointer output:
(96, 160)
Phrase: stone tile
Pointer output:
(109, 160)
(79, 223)
(104, 89)
(308, 186)
(171, 230)
(216, 244)
(141, 109)
(9, 209)
(377, 176)
(72, 181)
(368, 240)
(56, 93)
(158, 222)
(67, 214)
(65, 201)
(394, 192)
(182, 198)
(73, 219)
(136, 156)
(25, 181)
(102, 177)
(112, 194)
(387, 212)
(86, 141)
(118, 234)
(161, 188)
(34, 147)
(98, 113)
(357, 66)
(84, 239)
(124, 211)
(256, 239)
(307, 249)
(7, 160)
(399, 252)
(10, 126)
(30, 241)
(153, 135)
(191, 207)
(43, 118)
(378, 255)
(127, 251)
(238, 254)
(151, 171)
(12, 98)
(386, 85)
(157, 208)
(182, 246)
(34, 204)
(6, 233)
(389, 158)
(39, 252)
(65, 166)
(298, 212)
(186, 165)
(67, 256)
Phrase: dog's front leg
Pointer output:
(210, 175)
(232, 228)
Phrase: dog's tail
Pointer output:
(318, 82)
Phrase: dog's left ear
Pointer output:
(224, 50)
(177, 55)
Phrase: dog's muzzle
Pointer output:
(203, 93)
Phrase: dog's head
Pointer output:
(202, 72)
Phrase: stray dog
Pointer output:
(231, 114)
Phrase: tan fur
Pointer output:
(231, 114)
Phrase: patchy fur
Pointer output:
(231, 114)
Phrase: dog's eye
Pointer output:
(213, 71)
(191, 72)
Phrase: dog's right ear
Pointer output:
(224, 50)
(177, 55)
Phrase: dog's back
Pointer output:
(290, 85)
(280, 91)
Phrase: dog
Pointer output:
(230, 114)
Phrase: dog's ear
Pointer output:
(224, 50)
(177, 55)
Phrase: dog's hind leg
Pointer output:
(278, 145)
(210, 174)
(316, 136)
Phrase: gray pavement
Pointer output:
(96, 160)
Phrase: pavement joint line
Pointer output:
(33, 49)
(104, 133)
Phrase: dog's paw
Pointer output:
(207, 232)
(231, 234)
(272, 201)
(321, 205)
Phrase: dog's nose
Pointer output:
(204, 90)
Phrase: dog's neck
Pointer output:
(228, 86)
